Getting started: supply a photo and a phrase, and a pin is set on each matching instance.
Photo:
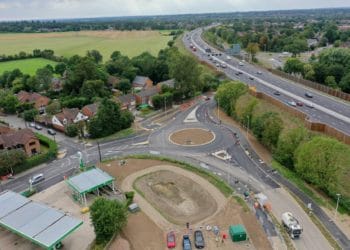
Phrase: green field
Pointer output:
(27, 66)
(130, 43)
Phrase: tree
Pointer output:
(53, 108)
(345, 83)
(95, 55)
(108, 217)
(288, 143)
(126, 119)
(330, 81)
(29, 115)
(94, 88)
(44, 77)
(146, 64)
(121, 65)
(124, 85)
(72, 130)
(162, 100)
(10, 159)
(293, 65)
(60, 68)
(252, 49)
(184, 69)
(8, 102)
(324, 162)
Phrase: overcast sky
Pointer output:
(50, 9)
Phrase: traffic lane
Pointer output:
(293, 87)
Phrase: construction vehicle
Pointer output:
(292, 225)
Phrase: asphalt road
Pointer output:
(329, 110)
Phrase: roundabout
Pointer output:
(192, 137)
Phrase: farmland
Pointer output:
(130, 43)
(27, 66)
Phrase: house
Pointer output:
(169, 83)
(20, 139)
(312, 42)
(142, 82)
(113, 81)
(57, 84)
(5, 129)
(90, 110)
(145, 96)
(67, 117)
(127, 102)
(39, 101)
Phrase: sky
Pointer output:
(56, 9)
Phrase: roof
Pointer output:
(89, 180)
(148, 92)
(140, 80)
(24, 96)
(34, 221)
(91, 107)
(69, 114)
(126, 98)
(170, 83)
(237, 229)
(19, 137)
(5, 129)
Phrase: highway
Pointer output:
(326, 109)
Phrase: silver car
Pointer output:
(36, 179)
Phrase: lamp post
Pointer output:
(218, 110)
(336, 207)
(247, 125)
(99, 150)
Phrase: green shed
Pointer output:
(238, 233)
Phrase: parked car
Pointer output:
(186, 242)
(241, 64)
(300, 104)
(199, 239)
(32, 125)
(277, 93)
(309, 95)
(51, 131)
(170, 238)
(210, 58)
(38, 127)
(259, 73)
(36, 179)
(251, 78)
(292, 103)
(237, 73)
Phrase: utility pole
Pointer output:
(99, 150)
(218, 110)
(247, 125)
(165, 106)
(336, 207)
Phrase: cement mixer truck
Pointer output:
(292, 225)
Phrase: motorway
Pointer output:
(327, 109)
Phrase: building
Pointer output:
(20, 139)
(145, 96)
(127, 102)
(142, 82)
(5, 129)
(169, 83)
(57, 84)
(67, 117)
(40, 102)
(90, 110)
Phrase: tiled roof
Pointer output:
(170, 83)
(140, 80)
(92, 107)
(126, 98)
(19, 137)
(69, 114)
(148, 92)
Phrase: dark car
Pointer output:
(198, 239)
(251, 78)
(277, 93)
(309, 95)
(186, 242)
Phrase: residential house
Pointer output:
(67, 117)
(145, 96)
(113, 81)
(20, 139)
(39, 101)
(142, 82)
(127, 102)
(90, 110)
(169, 83)
(57, 84)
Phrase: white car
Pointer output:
(36, 179)
(241, 64)
(32, 125)
(228, 58)
(223, 65)
(292, 103)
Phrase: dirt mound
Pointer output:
(192, 137)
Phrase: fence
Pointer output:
(313, 85)
(312, 125)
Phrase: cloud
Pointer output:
(48, 9)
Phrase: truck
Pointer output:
(292, 225)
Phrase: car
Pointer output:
(251, 78)
(277, 93)
(206, 98)
(36, 179)
(261, 161)
(38, 127)
(309, 95)
(217, 65)
(292, 103)
(223, 65)
(198, 239)
(51, 131)
(241, 64)
(237, 73)
(228, 58)
(186, 242)
(309, 105)
(171, 240)
(32, 125)
(300, 104)
(210, 58)
(259, 73)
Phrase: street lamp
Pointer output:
(247, 125)
(218, 110)
(336, 207)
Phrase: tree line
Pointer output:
(321, 161)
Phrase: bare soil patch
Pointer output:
(192, 137)
(178, 198)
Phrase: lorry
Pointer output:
(292, 225)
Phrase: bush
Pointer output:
(129, 197)
(72, 130)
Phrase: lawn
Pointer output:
(27, 66)
(130, 43)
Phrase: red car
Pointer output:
(300, 104)
(170, 238)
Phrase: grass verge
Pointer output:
(119, 135)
